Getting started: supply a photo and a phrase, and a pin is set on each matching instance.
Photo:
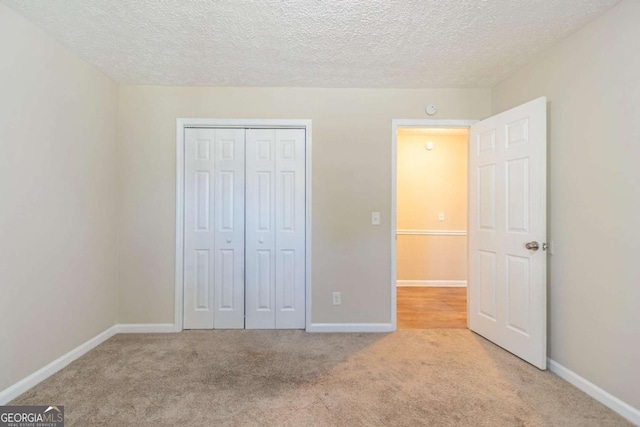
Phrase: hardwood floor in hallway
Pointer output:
(432, 308)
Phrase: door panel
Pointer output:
(518, 283)
(198, 229)
(264, 279)
(260, 224)
(214, 229)
(487, 196)
(487, 284)
(275, 229)
(229, 228)
(290, 228)
(507, 281)
(518, 195)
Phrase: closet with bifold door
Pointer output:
(244, 228)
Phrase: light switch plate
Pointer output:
(375, 218)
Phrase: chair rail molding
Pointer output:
(404, 232)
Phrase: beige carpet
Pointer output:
(251, 378)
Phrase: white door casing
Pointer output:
(275, 228)
(214, 229)
(507, 210)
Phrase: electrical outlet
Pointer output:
(337, 298)
(441, 216)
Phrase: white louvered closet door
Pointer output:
(275, 229)
(214, 229)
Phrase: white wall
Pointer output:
(58, 130)
(351, 178)
(592, 81)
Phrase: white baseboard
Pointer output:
(433, 283)
(624, 409)
(350, 327)
(42, 374)
(145, 328)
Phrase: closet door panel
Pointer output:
(290, 228)
(198, 302)
(229, 229)
(260, 225)
(244, 228)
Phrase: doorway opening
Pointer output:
(506, 212)
(431, 210)
(431, 227)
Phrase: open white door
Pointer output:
(507, 231)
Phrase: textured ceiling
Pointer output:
(310, 43)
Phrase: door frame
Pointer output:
(395, 125)
(181, 125)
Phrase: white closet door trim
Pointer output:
(181, 125)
